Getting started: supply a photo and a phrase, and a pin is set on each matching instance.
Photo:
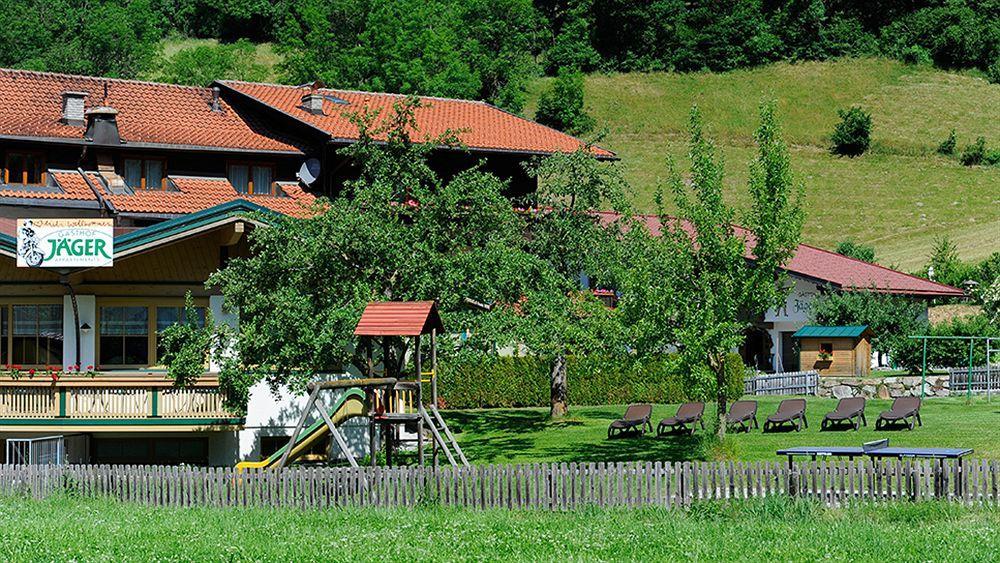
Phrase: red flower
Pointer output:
(31, 371)
(90, 368)
(54, 376)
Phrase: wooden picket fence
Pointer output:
(555, 486)
(983, 380)
(782, 383)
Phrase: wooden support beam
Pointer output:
(231, 234)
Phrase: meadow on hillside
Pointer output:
(899, 196)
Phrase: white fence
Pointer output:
(785, 383)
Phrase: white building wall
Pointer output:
(276, 414)
(791, 317)
(216, 305)
(87, 308)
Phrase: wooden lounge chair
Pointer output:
(904, 409)
(850, 410)
(687, 414)
(744, 414)
(790, 411)
(636, 419)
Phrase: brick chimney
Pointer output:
(72, 107)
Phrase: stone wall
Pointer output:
(882, 387)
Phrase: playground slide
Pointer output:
(350, 405)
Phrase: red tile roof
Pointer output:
(399, 318)
(192, 194)
(479, 125)
(161, 114)
(838, 270)
(197, 193)
(70, 184)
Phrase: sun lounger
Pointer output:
(850, 410)
(687, 415)
(790, 411)
(636, 419)
(904, 409)
(743, 414)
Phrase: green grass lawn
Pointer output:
(526, 435)
(898, 197)
(66, 529)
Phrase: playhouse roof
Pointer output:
(399, 318)
(812, 331)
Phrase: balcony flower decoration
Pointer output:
(16, 371)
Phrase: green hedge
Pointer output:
(523, 381)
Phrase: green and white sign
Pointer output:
(65, 243)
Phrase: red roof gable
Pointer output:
(399, 318)
(478, 125)
(838, 270)
(160, 114)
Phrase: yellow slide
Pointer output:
(350, 405)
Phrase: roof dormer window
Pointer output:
(24, 167)
(252, 178)
(144, 173)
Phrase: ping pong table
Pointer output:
(876, 449)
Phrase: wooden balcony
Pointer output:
(144, 398)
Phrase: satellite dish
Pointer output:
(309, 171)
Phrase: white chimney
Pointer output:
(313, 103)
(72, 107)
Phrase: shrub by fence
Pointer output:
(523, 381)
(553, 486)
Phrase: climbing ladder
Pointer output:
(443, 436)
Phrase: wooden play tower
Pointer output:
(406, 335)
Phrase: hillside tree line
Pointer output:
(484, 49)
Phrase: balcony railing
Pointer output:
(111, 396)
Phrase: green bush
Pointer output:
(203, 64)
(523, 381)
(993, 72)
(947, 147)
(736, 372)
(916, 55)
(857, 250)
(974, 154)
(948, 353)
(852, 136)
(561, 106)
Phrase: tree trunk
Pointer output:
(557, 379)
(720, 397)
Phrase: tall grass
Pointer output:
(64, 529)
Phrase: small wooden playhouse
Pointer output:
(835, 350)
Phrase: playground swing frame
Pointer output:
(384, 321)
(972, 342)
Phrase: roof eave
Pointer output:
(144, 145)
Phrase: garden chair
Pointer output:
(636, 419)
(790, 411)
(904, 409)
(744, 414)
(687, 414)
(850, 410)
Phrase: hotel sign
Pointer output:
(65, 243)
